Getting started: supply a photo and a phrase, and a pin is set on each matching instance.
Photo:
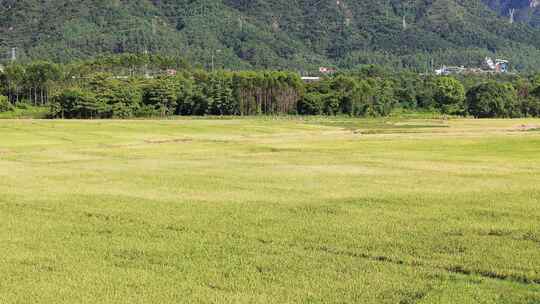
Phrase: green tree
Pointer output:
(311, 104)
(426, 89)
(331, 104)
(347, 92)
(77, 103)
(384, 99)
(123, 98)
(449, 95)
(492, 99)
(219, 91)
(190, 98)
(15, 76)
(162, 95)
(530, 106)
(41, 75)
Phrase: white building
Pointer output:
(311, 79)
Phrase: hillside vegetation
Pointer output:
(300, 35)
(524, 10)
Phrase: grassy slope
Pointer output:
(265, 211)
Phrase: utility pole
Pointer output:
(512, 12)
(213, 55)
(13, 54)
(407, 9)
(154, 28)
(146, 74)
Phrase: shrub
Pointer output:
(147, 111)
(5, 105)
(23, 105)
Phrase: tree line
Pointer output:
(197, 93)
(138, 87)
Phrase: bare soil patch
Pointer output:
(526, 127)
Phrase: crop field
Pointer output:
(261, 210)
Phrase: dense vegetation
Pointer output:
(220, 93)
(93, 89)
(273, 34)
(523, 10)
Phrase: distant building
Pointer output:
(497, 66)
(326, 70)
(171, 72)
(445, 71)
(311, 79)
(489, 66)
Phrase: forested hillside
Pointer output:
(281, 34)
(519, 10)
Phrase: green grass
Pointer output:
(306, 210)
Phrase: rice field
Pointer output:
(255, 210)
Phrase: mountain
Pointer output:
(519, 10)
(285, 34)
